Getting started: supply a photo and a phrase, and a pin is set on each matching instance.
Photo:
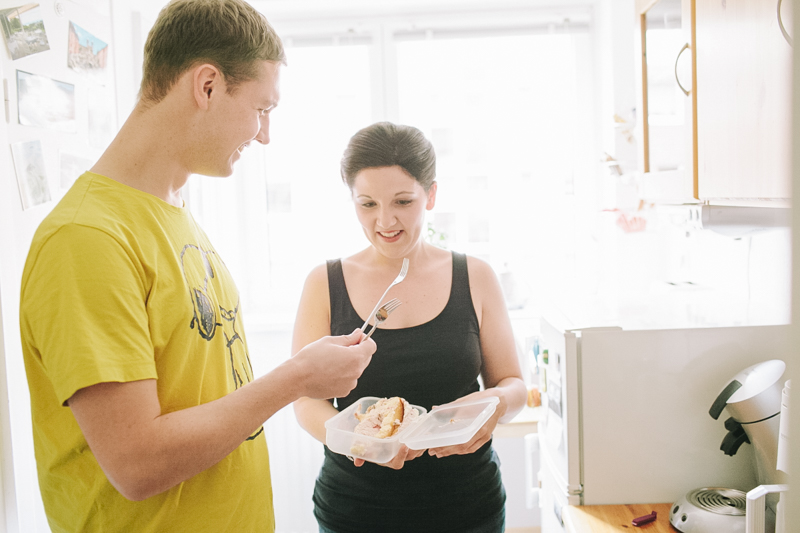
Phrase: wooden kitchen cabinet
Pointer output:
(743, 101)
(715, 92)
(667, 121)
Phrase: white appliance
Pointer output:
(752, 399)
(783, 437)
(710, 510)
(626, 411)
(757, 508)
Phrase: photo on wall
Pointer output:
(46, 103)
(23, 29)
(87, 54)
(31, 176)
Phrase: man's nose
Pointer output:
(263, 133)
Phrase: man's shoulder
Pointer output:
(98, 203)
(88, 202)
(67, 212)
(92, 211)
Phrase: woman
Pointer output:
(452, 327)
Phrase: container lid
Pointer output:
(450, 424)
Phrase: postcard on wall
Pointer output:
(45, 102)
(23, 29)
(31, 176)
(86, 53)
(72, 166)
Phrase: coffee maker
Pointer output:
(753, 399)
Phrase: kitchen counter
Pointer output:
(524, 423)
(614, 518)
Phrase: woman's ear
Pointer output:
(431, 196)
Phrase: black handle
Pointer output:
(735, 437)
(722, 399)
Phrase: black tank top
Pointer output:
(430, 364)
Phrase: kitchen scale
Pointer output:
(710, 510)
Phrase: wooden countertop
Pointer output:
(524, 423)
(614, 518)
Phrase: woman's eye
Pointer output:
(368, 204)
(404, 202)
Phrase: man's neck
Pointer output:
(147, 154)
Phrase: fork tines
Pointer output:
(382, 314)
(391, 305)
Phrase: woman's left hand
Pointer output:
(397, 462)
(484, 433)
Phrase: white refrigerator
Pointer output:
(626, 412)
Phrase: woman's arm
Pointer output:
(501, 373)
(313, 322)
(500, 370)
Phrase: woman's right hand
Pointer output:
(403, 455)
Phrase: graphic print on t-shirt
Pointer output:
(212, 313)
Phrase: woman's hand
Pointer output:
(403, 455)
(484, 433)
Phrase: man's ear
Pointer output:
(431, 196)
(206, 83)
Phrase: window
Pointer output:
(286, 210)
(503, 111)
(507, 114)
(508, 109)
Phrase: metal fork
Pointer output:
(400, 277)
(383, 313)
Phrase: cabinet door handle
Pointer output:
(783, 29)
(685, 46)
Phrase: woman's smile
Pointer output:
(390, 236)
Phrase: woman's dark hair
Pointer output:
(384, 144)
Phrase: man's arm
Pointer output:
(313, 321)
(144, 452)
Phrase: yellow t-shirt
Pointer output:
(120, 286)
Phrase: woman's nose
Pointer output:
(386, 218)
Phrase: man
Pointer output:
(146, 415)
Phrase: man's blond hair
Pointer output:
(229, 34)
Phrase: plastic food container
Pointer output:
(445, 425)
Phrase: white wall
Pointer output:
(793, 503)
